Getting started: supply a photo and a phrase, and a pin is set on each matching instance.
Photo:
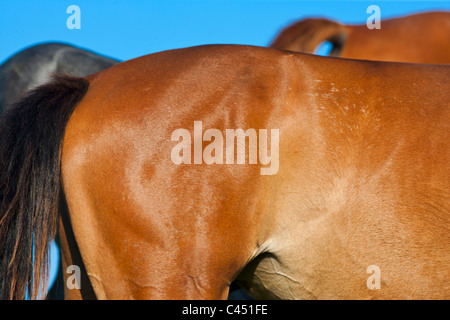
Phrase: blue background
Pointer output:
(128, 29)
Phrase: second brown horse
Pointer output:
(419, 38)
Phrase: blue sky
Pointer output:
(125, 29)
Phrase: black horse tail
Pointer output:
(31, 136)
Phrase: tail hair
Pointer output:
(31, 136)
(306, 35)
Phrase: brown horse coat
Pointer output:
(363, 177)
(419, 38)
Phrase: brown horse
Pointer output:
(357, 179)
(419, 38)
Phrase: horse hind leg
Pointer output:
(141, 242)
(77, 285)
